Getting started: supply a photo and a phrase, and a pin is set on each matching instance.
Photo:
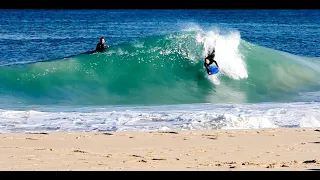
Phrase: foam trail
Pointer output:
(214, 79)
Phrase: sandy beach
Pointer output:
(264, 149)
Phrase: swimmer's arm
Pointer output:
(216, 63)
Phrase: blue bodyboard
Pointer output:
(213, 69)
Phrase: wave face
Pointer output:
(166, 69)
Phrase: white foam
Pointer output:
(310, 122)
(190, 26)
(214, 79)
(227, 52)
(178, 117)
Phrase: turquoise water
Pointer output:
(165, 69)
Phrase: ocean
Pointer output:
(152, 77)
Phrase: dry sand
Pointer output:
(265, 149)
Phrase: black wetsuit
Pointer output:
(100, 47)
(210, 57)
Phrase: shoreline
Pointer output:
(249, 149)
